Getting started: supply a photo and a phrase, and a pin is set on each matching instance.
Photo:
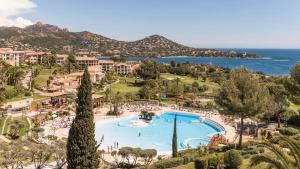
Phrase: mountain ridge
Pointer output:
(51, 37)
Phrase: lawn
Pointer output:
(294, 107)
(189, 80)
(41, 79)
(125, 85)
(21, 119)
(12, 94)
(17, 97)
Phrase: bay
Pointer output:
(269, 61)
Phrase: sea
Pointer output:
(270, 61)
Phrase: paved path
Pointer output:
(105, 87)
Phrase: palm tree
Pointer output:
(276, 158)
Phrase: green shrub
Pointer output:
(232, 159)
(294, 120)
(289, 131)
(260, 150)
(10, 93)
(250, 152)
(247, 156)
(201, 163)
(27, 93)
(187, 159)
(213, 161)
(169, 163)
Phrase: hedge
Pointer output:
(289, 131)
(168, 163)
(201, 163)
(294, 120)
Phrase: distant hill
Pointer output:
(46, 36)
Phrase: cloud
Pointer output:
(11, 9)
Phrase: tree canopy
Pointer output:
(148, 70)
(242, 95)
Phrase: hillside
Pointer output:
(46, 36)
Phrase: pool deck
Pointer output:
(100, 114)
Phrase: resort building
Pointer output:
(14, 58)
(33, 57)
(120, 68)
(123, 68)
(71, 81)
(86, 61)
(96, 73)
(61, 58)
(107, 65)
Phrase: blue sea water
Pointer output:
(158, 134)
(270, 61)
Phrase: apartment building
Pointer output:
(107, 65)
(14, 58)
(61, 58)
(33, 57)
(86, 61)
(123, 68)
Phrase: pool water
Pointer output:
(191, 130)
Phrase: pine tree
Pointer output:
(82, 146)
(174, 139)
(71, 63)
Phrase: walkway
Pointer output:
(104, 88)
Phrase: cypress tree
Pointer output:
(81, 145)
(174, 139)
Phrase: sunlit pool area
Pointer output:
(192, 130)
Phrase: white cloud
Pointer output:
(11, 9)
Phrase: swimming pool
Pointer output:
(191, 130)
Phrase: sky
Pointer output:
(197, 23)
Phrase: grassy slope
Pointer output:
(10, 89)
(189, 80)
(124, 86)
(294, 107)
(41, 79)
(20, 118)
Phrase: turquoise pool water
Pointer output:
(191, 130)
